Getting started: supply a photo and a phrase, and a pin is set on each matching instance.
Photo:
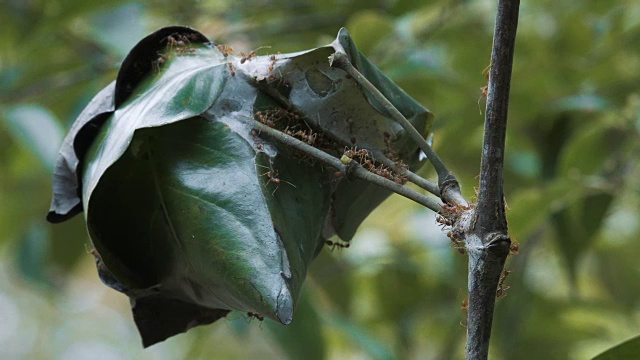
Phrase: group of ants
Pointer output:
(289, 123)
(446, 220)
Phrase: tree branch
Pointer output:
(351, 169)
(411, 176)
(490, 195)
(486, 235)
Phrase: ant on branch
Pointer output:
(456, 242)
(444, 221)
(501, 287)
(514, 247)
(464, 307)
(354, 152)
(484, 91)
(273, 177)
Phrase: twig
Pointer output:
(446, 181)
(352, 169)
(411, 176)
(486, 237)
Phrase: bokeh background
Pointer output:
(572, 181)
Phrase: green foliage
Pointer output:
(571, 177)
(627, 350)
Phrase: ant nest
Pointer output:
(453, 220)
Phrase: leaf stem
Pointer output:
(411, 176)
(352, 169)
(446, 180)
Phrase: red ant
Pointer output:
(353, 152)
(456, 243)
(443, 221)
(484, 91)
(464, 307)
(231, 69)
(181, 44)
(265, 118)
(273, 177)
(257, 141)
(157, 63)
(225, 50)
(280, 78)
(513, 249)
(501, 287)
(272, 64)
(92, 250)
(251, 55)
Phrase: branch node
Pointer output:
(350, 170)
(498, 244)
(450, 191)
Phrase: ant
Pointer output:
(353, 152)
(309, 138)
(456, 242)
(266, 118)
(443, 221)
(181, 43)
(255, 315)
(251, 55)
(464, 307)
(501, 287)
(272, 64)
(157, 63)
(92, 250)
(225, 50)
(232, 69)
(257, 141)
(336, 244)
(484, 91)
(273, 177)
(513, 249)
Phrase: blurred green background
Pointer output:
(572, 181)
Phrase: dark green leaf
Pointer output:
(66, 185)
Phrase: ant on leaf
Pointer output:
(273, 177)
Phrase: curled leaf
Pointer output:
(192, 212)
